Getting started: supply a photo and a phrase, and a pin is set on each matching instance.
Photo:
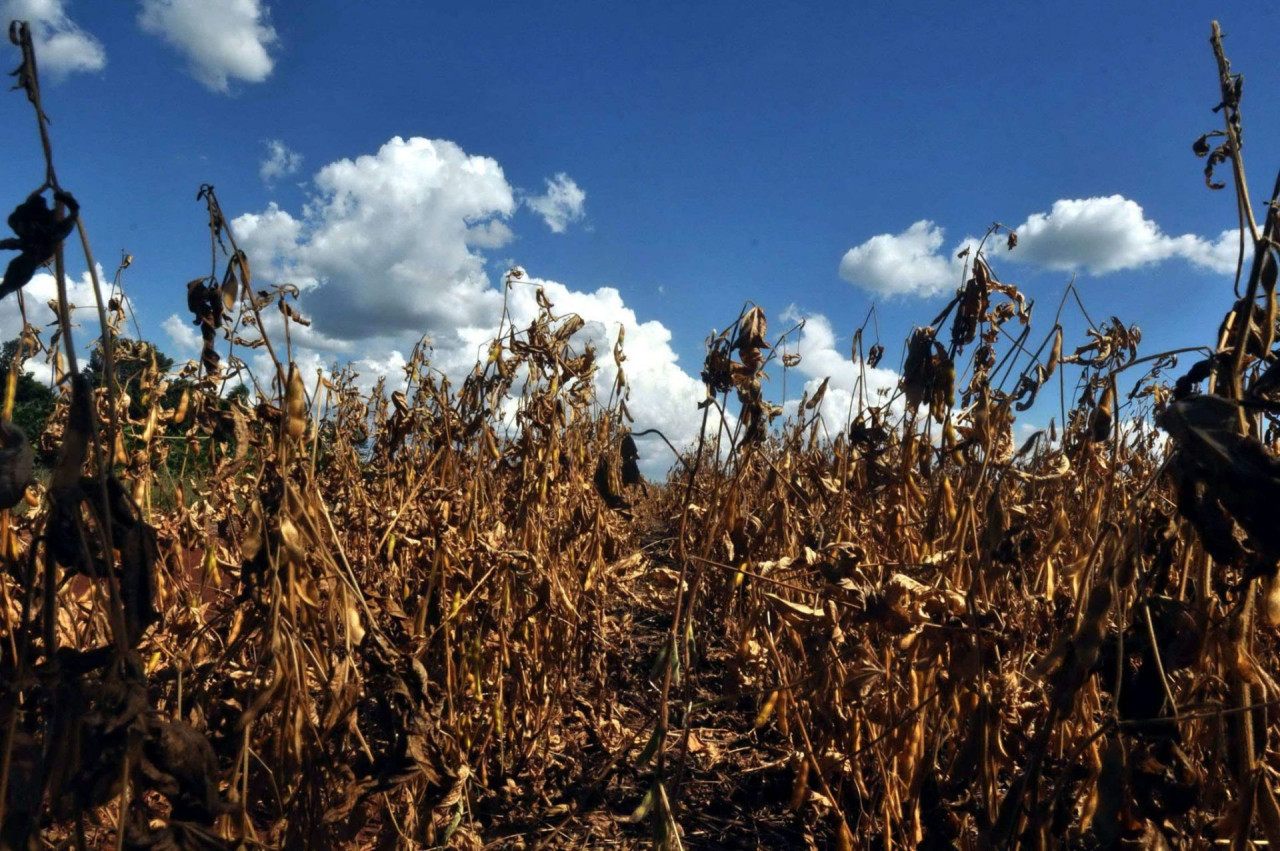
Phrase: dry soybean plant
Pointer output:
(269, 609)
(961, 643)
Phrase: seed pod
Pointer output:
(1055, 355)
(491, 444)
(1094, 517)
(949, 442)
(1271, 587)
(1100, 420)
(799, 784)
(948, 502)
(295, 402)
(1058, 532)
(844, 836)
(766, 710)
(1082, 653)
(978, 418)
(292, 540)
(944, 389)
(355, 629)
(9, 546)
(118, 455)
(180, 413)
(149, 430)
(913, 491)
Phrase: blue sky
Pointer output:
(704, 154)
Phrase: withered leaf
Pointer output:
(1236, 469)
(16, 463)
(38, 231)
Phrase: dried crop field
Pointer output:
(451, 614)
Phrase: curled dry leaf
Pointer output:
(16, 464)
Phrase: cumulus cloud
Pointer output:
(391, 247)
(1097, 236)
(389, 242)
(908, 263)
(1111, 234)
(561, 204)
(62, 47)
(223, 40)
(280, 161)
(272, 237)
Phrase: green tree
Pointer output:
(33, 401)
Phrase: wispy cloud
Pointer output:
(279, 162)
(563, 202)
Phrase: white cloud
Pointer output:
(389, 248)
(1022, 432)
(1220, 255)
(223, 40)
(907, 263)
(490, 234)
(1111, 234)
(61, 45)
(272, 238)
(280, 161)
(1094, 235)
(386, 245)
(182, 334)
(562, 203)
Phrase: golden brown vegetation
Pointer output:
(389, 621)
